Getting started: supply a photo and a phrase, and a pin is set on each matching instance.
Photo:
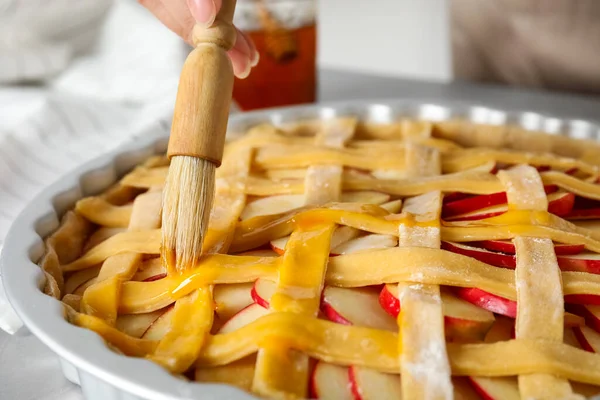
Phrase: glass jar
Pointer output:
(285, 35)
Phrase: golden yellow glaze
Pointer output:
(190, 323)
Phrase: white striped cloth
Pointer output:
(100, 68)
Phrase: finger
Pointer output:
(241, 63)
(157, 9)
(204, 11)
(249, 44)
(181, 13)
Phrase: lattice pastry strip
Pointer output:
(102, 298)
(279, 370)
(540, 298)
(425, 368)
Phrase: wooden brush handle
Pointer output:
(204, 93)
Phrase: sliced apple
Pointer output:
(487, 212)
(456, 205)
(150, 270)
(273, 205)
(591, 313)
(388, 299)
(239, 373)
(506, 246)
(356, 306)
(488, 301)
(463, 321)
(156, 277)
(582, 262)
(78, 278)
(262, 291)
(463, 390)
(573, 320)
(502, 329)
(455, 196)
(278, 245)
(483, 255)
(587, 338)
(393, 206)
(585, 209)
(369, 384)
(474, 203)
(137, 324)
(340, 235)
(589, 299)
(243, 318)
(505, 388)
(329, 381)
(570, 338)
(559, 203)
(160, 326)
(365, 243)
(231, 299)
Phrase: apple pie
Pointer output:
(349, 260)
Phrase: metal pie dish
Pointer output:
(86, 360)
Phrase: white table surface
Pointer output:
(29, 371)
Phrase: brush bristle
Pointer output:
(187, 201)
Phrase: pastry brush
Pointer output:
(197, 141)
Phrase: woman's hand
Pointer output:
(180, 17)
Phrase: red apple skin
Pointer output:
(452, 197)
(473, 203)
(496, 259)
(579, 265)
(503, 260)
(479, 216)
(333, 315)
(353, 384)
(484, 395)
(277, 250)
(257, 299)
(590, 319)
(585, 209)
(562, 206)
(389, 302)
(488, 301)
(591, 299)
(457, 329)
(469, 204)
(585, 345)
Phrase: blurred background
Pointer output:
(115, 50)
